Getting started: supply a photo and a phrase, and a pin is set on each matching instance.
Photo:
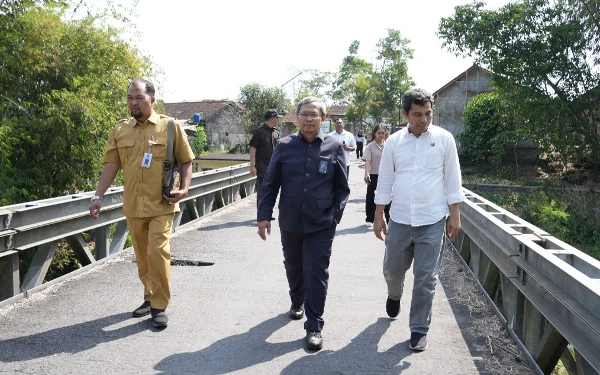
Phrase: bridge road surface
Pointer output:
(231, 317)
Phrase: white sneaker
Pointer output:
(369, 225)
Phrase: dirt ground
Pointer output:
(486, 333)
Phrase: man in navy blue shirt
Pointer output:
(310, 169)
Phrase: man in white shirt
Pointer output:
(347, 140)
(420, 174)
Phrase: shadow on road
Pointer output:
(238, 352)
(361, 356)
(232, 353)
(72, 339)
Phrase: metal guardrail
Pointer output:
(40, 225)
(548, 291)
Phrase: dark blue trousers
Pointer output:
(306, 259)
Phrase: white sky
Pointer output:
(209, 49)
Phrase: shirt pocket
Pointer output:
(126, 149)
(159, 149)
(434, 158)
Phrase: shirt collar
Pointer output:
(320, 135)
(154, 117)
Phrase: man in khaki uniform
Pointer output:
(139, 146)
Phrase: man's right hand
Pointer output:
(95, 209)
(253, 171)
(264, 226)
(367, 178)
(379, 226)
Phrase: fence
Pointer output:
(40, 225)
(547, 291)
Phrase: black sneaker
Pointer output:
(314, 340)
(159, 318)
(296, 313)
(392, 307)
(143, 310)
(418, 341)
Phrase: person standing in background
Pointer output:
(372, 158)
(263, 142)
(360, 143)
(347, 140)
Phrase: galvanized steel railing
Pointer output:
(40, 225)
(548, 291)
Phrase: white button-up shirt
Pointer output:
(345, 137)
(420, 176)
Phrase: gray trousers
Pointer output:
(423, 244)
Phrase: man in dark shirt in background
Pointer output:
(263, 142)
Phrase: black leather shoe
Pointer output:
(296, 313)
(392, 307)
(314, 340)
(143, 310)
(159, 318)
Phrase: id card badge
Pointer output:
(146, 160)
(324, 162)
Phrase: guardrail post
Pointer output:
(583, 366)
(9, 274)
(550, 349)
(219, 201)
(119, 237)
(81, 249)
(513, 303)
(204, 204)
(190, 208)
(102, 242)
(39, 266)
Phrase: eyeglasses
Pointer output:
(313, 116)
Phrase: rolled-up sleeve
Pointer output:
(452, 176)
(385, 182)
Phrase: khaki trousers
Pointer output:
(150, 237)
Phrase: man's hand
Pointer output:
(264, 226)
(177, 196)
(367, 178)
(379, 226)
(253, 171)
(453, 226)
(95, 209)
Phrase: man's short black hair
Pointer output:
(416, 96)
(149, 85)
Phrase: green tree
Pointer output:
(314, 82)
(352, 65)
(62, 88)
(489, 130)
(363, 95)
(545, 66)
(257, 99)
(393, 78)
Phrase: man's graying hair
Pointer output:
(417, 96)
(312, 99)
(149, 85)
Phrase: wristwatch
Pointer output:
(95, 198)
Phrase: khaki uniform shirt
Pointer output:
(129, 140)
